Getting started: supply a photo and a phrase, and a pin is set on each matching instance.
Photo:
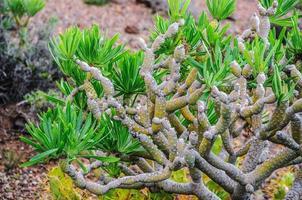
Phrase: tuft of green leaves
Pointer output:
(92, 47)
(97, 51)
(10, 159)
(16, 7)
(24, 9)
(178, 9)
(125, 75)
(194, 34)
(64, 132)
(117, 139)
(88, 45)
(65, 46)
(259, 57)
(215, 70)
(221, 9)
(294, 39)
(32, 7)
(283, 90)
(281, 17)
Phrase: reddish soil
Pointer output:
(117, 17)
(17, 183)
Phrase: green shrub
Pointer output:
(170, 118)
(25, 63)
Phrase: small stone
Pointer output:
(10, 195)
(25, 182)
(131, 29)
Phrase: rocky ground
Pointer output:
(18, 183)
(125, 17)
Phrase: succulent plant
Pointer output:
(190, 95)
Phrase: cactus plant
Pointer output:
(196, 91)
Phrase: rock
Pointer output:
(25, 182)
(10, 195)
(132, 29)
(233, 17)
(19, 123)
(155, 5)
(162, 6)
(119, 1)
